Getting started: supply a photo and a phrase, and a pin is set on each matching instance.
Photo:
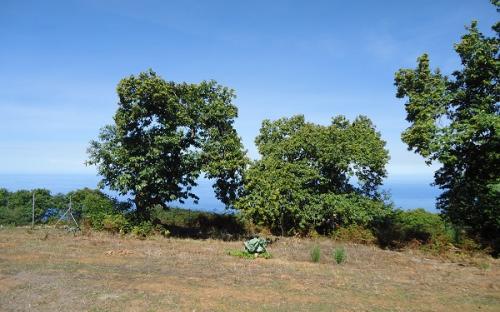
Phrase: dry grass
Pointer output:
(99, 272)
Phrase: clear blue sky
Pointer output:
(60, 62)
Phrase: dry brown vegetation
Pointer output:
(51, 270)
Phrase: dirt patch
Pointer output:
(7, 283)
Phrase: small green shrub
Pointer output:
(143, 230)
(246, 255)
(315, 253)
(115, 223)
(339, 255)
(484, 266)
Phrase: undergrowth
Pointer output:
(246, 255)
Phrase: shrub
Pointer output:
(401, 227)
(200, 224)
(339, 255)
(91, 204)
(144, 229)
(354, 233)
(315, 253)
(115, 223)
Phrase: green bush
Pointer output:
(94, 205)
(315, 254)
(199, 224)
(115, 223)
(340, 255)
(402, 227)
(143, 230)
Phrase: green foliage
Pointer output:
(355, 234)
(303, 180)
(143, 229)
(165, 135)
(401, 227)
(247, 255)
(315, 254)
(16, 207)
(419, 224)
(339, 255)
(199, 224)
(94, 206)
(455, 121)
(115, 223)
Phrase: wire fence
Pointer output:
(39, 206)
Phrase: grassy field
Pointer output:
(51, 270)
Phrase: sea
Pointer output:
(406, 192)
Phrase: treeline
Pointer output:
(16, 208)
(93, 209)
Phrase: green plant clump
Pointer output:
(143, 230)
(247, 255)
(315, 254)
(115, 223)
(340, 255)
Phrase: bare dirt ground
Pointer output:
(51, 270)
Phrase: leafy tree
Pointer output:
(165, 136)
(454, 120)
(94, 205)
(16, 207)
(43, 201)
(304, 179)
(4, 197)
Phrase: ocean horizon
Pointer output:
(407, 192)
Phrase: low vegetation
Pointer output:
(248, 255)
(394, 229)
(340, 255)
(315, 253)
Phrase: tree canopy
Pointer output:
(305, 178)
(455, 121)
(16, 207)
(164, 136)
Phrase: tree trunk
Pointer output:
(141, 209)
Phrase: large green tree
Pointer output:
(313, 177)
(454, 120)
(164, 136)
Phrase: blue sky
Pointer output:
(60, 62)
